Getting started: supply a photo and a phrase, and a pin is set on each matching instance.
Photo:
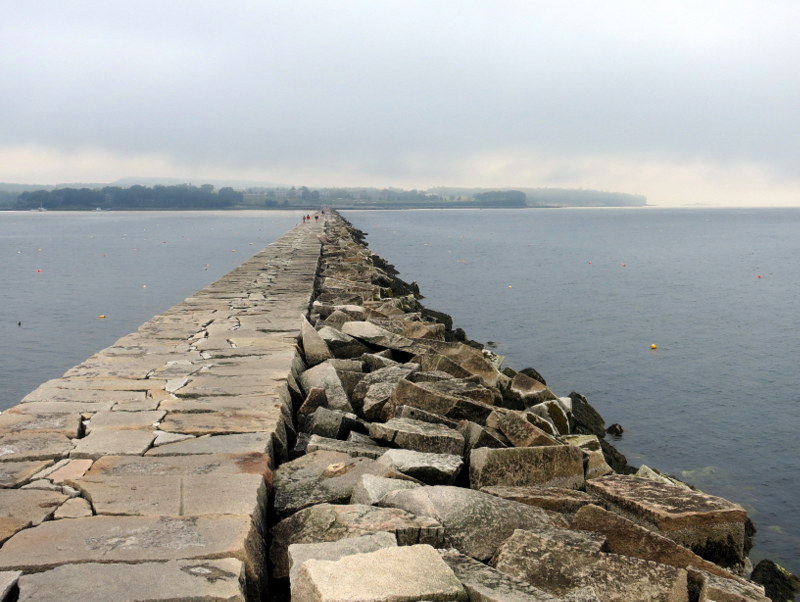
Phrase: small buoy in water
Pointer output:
(509, 286)
(144, 286)
(101, 317)
(590, 263)
(40, 270)
(653, 346)
(760, 276)
(623, 265)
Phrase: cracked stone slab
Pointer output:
(39, 408)
(135, 539)
(217, 444)
(22, 447)
(52, 394)
(14, 474)
(222, 422)
(198, 580)
(21, 508)
(107, 442)
(222, 403)
(69, 469)
(203, 464)
(75, 507)
(183, 495)
(122, 420)
(66, 424)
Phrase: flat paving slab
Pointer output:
(196, 580)
(131, 539)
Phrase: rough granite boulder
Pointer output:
(594, 462)
(375, 336)
(315, 349)
(331, 522)
(710, 526)
(340, 344)
(432, 469)
(322, 476)
(475, 523)
(351, 448)
(626, 538)
(371, 489)
(486, 584)
(386, 575)
(548, 466)
(427, 437)
(523, 392)
(450, 398)
(334, 550)
(521, 432)
(324, 376)
(559, 561)
(555, 499)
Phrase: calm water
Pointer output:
(59, 271)
(578, 294)
(581, 294)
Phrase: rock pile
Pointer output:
(424, 470)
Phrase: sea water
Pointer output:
(579, 294)
(582, 295)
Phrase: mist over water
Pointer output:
(582, 294)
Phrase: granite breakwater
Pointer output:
(305, 429)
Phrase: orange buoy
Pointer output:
(101, 317)
(654, 346)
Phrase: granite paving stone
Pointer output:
(217, 444)
(219, 580)
(124, 420)
(105, 442)
(26, 447)
(21, 508)
(8, 580)
(13, 474)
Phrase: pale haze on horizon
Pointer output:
(688, 103)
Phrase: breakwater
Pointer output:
(155, 461)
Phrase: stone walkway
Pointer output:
(145, 471)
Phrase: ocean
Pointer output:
(578, 294)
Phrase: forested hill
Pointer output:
(187, 196)
(557, 197)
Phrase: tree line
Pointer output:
(181, 196)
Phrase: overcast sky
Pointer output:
(683, 101)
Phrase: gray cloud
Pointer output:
(406, 92)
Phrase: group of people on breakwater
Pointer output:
(307, 217)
